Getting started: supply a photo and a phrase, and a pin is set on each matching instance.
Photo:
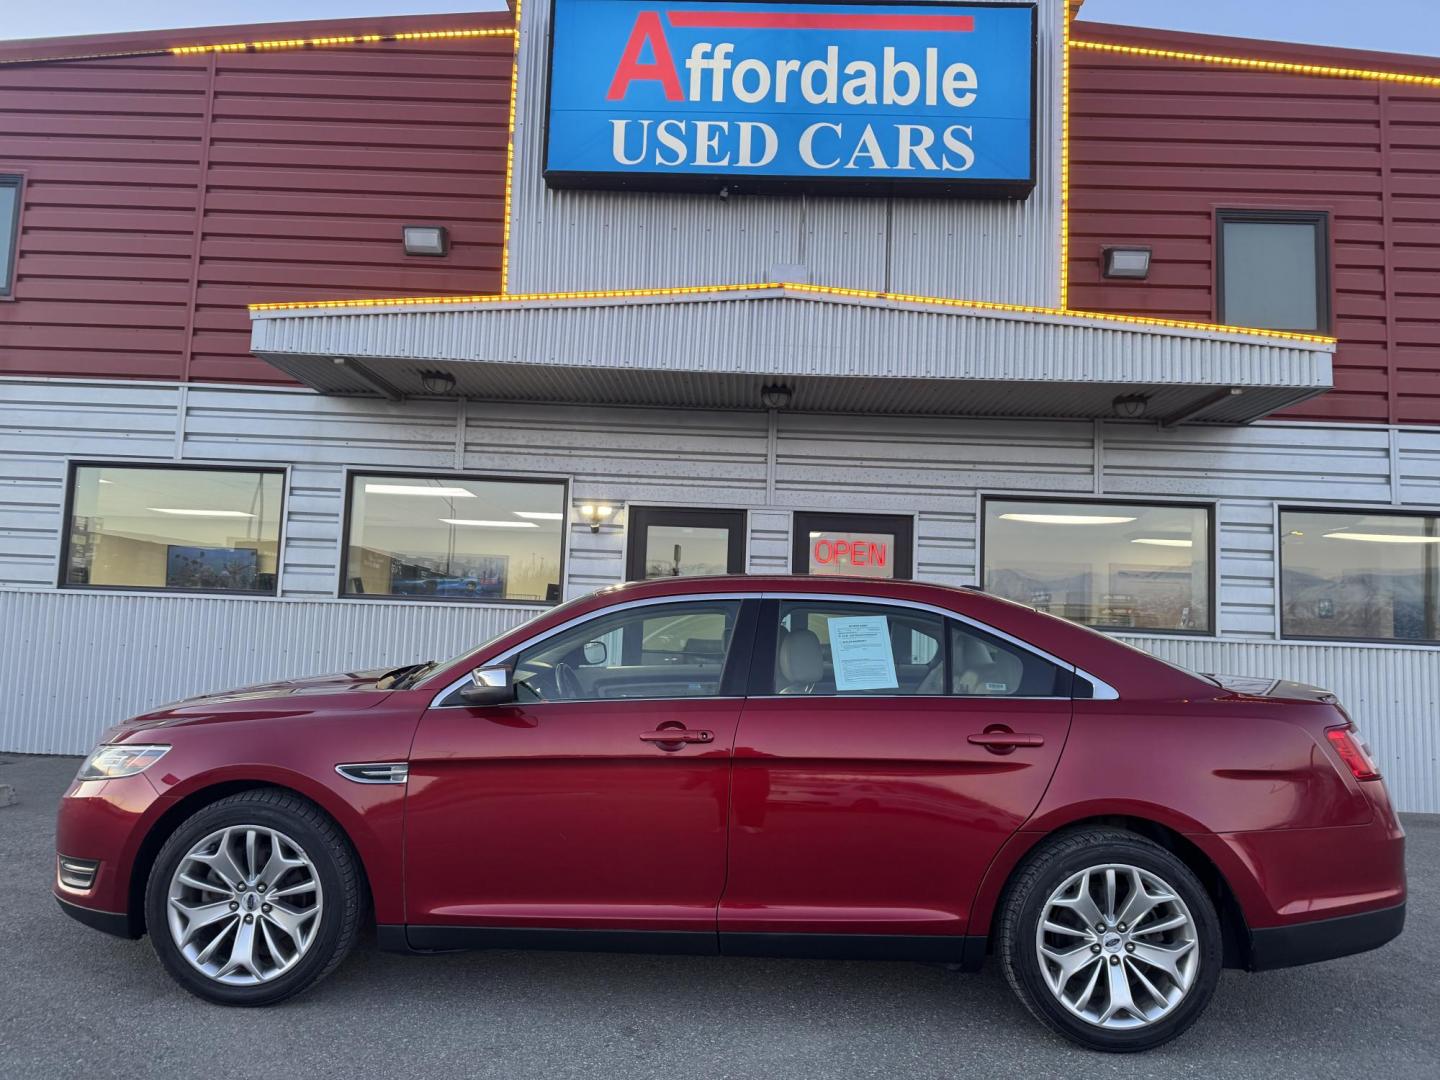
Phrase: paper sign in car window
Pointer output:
(860, 650)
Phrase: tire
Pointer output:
(288, 946)
(1190, 954)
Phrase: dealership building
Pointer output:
(336, 345)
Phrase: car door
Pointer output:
(597, 801)
(884, 755)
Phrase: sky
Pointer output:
(1387, 25)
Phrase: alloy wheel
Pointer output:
(1117, 946)
(244, 905)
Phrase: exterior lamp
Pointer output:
(437, 382)
(1126, 262)
(776, 397)
(595, 514)
(1130, 406)
(427, 240)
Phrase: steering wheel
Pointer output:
(567, 683)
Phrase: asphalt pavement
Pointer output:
(76, 1003)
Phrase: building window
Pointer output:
(854, 545)
(1274, 270)
(454, 538)
(1356, 574)
(670, 541)
(173, 528)
(1112, 565)
(10, 188)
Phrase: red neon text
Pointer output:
(857, 552)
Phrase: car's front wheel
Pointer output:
(254, 898)
(1110, 940)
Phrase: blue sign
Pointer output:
(750, 96)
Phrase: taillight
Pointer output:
(1352, 751)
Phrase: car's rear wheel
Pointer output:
(1110, 940)
(254, 898)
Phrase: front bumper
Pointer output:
(111, 922)
(105, 822)
(1325, 939)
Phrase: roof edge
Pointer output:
(794, 291)
(1260, 48)
(55, 49)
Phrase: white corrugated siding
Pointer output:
(977, 249)
(840, 355)
(76, 662)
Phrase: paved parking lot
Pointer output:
(77, 1003)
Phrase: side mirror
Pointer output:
(595, 652)
(489, 686)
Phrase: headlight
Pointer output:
(127, 759)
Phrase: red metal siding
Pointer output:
(299, 166)
(1158, 146)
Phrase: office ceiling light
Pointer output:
(418, 489)
(437, 382)
(427, 240)
(1126, 262)
(539, 515)
(1383, 538)
(479, 523)
(1067, 519)
(1130, 406)
(181, 512)
(775, 397)
(1163, 541)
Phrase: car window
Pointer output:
(983, 665)
(655, 651)
(824, 648)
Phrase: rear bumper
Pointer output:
(1325, 939)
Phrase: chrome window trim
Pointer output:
(1100, 689)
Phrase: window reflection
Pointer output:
(453, 538)
(1360, 575)
(174, 528)
(1109, 565)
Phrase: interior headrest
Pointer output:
(799, 658)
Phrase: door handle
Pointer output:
(677, 735)
(1005, 741)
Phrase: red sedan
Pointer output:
(755, 766)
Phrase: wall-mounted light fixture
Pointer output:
(1130, 406)
(1126, 262)
(427, 240)
(776, 397)
(595, 514)
(437, 382)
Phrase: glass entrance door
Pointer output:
(669, 541)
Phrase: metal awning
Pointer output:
(835, 353)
